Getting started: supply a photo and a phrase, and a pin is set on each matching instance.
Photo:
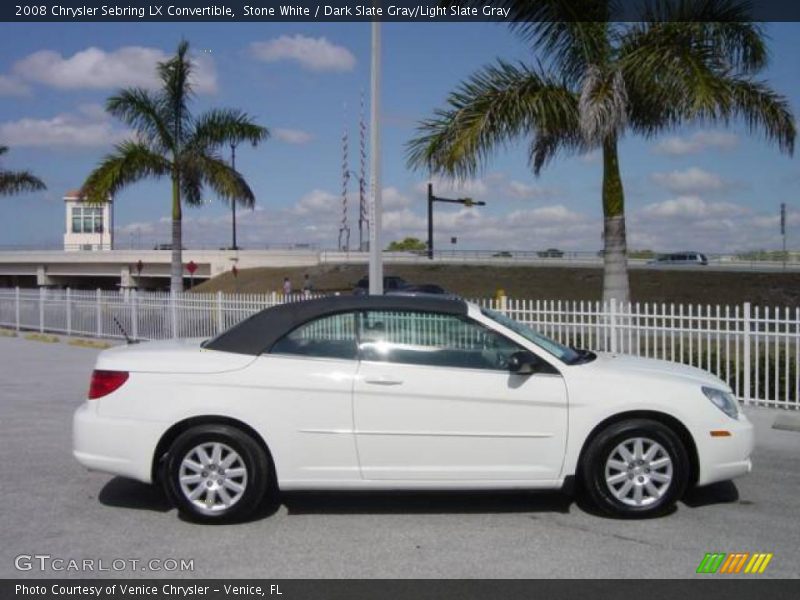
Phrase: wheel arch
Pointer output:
(171, 434)
(665, 419)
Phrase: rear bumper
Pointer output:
(723, 458)
(118, 446)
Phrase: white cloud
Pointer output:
(691, 180)
(693, 207)
(525, 191)
(94, 68)
(90, 126)
(292, 136)
(315, 54)
(316, 202)
(393, 199)
(12, 86)
(697, 142)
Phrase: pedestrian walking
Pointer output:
(287, 286)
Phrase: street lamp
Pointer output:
(431, 200)
(233, 202)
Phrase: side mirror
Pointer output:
(523, 363)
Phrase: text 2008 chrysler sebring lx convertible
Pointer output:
(389, 393)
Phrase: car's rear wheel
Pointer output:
(637, 468)
(216, 473)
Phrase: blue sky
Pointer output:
(711, 189)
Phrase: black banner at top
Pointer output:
(353, 10)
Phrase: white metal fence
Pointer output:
(755, 349)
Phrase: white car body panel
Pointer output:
(345, 424)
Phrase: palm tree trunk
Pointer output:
(176, 269)
(615, 274)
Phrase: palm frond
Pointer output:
(223, 126)
(144, 112)
(723, 25)
(209, 169)
(16, 182)
(569, 35)
(494, 106)
(175, 76)
(129, 162)
(603, 104)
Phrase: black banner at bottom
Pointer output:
(708, 588)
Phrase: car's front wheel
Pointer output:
(216, 473)
(635, 468)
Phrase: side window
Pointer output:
(432, 339)
(328, 337)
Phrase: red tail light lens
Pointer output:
(105, 382)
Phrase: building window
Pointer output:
(87, 219)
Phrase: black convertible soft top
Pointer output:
(258, 333)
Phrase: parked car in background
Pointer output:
(680, 259)
(551, 253)
(422, 288)
(502, 254)
(390, 282)
(400, 393)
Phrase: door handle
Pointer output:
(383, 381)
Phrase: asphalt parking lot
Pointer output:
(52, 506)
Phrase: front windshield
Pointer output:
(563, 353)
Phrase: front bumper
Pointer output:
(724, 458)
(113, 445)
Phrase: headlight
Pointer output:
(723, 400)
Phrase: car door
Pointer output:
(434, 400)
(305, 400)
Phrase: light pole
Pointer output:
(233, 202)
(375, 249)
(431, 200)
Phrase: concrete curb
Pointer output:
(787, 423)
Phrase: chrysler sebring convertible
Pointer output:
(401, 393)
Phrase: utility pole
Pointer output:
(375, 248)
(783, 231)
(233, 202)
(431, 199)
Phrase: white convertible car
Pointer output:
(403, 392)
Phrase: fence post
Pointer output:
(174, 312)
(41, 309)
(220, 322)
(746, 357)
(99, 312)
(612, 324)
(69, 312)
(16, 306)
(134, 314)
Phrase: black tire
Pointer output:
(595, 468)
(248, 456)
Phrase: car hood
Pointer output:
(171, 356)
(626, 365)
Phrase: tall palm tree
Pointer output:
(684, 61)
(170, 142)
(15, 182)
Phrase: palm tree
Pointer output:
(15, 182)
(171, 142)
(685, 61)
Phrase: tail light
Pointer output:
(105, 382)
